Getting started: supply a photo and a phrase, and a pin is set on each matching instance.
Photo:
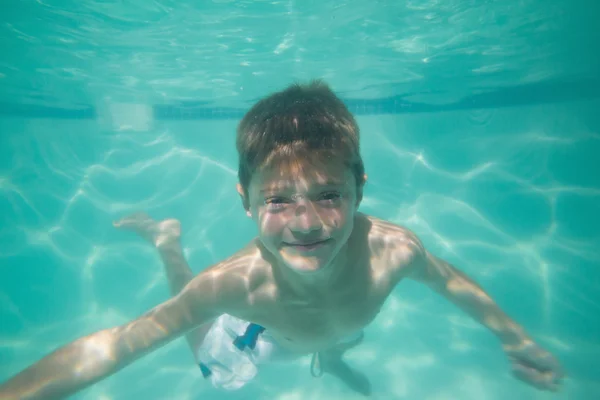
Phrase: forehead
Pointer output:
(301, 175)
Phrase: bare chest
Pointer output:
(315, 322)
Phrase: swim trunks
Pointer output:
(233, 348)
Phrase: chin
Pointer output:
(305, 265)
(306, 268)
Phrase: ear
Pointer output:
(244, 198)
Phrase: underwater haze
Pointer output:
(480, 131)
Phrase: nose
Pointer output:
(306, 219)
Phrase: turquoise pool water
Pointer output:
(480, 131)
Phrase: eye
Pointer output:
(330, 197)
(275, 203)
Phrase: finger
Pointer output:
(544, 381)
(525, 373)
(548, 362)
(544, 363)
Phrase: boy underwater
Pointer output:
(318, 272)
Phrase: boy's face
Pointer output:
(304, 214)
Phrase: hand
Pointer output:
(534, 365)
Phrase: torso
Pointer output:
(316, 320)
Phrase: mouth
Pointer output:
(308, 246)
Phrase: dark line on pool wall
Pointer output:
(38, 111)
(516, 96)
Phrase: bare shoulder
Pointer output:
(393, 246)
(232, 281)
(247, 263)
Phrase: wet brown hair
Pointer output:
(301, 123)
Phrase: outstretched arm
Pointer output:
(89, 359)
(461, 290)
(529, 361)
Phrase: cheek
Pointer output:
(270, 230)
(269, 224)
(344, 221)
(340, 217)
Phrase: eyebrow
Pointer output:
(330, 183)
